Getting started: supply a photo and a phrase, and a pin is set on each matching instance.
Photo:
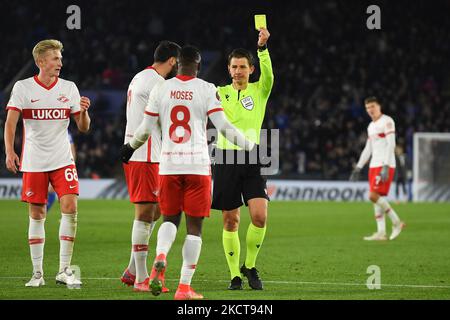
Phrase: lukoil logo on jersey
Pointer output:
(46, 114)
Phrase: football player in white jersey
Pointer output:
(380, 148)
(51, 198)
(46, 103)
(183, 105)
(142, 171)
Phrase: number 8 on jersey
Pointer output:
(176, 123)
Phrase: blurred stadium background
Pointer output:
(325, 62)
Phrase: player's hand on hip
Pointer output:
(355, 174)
(12, 162)
(126, 151)
(263, 37)
(85, 103)
(384, 174)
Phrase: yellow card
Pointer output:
(260, 21)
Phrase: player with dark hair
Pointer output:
(183, 105)
(142, 172)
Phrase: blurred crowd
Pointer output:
(324, 58)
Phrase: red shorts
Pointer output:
(189, 193)
(375, 183)
(142, 180)
(35, 184)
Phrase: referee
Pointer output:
(244, 104)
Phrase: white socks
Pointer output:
(191, 249)
(166, 236)
(67, 232)
(384, 205)
(139, 240)
(191, 252)
(132, 264)
(36, 239)
(379, 217)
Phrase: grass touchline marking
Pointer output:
(288, 282)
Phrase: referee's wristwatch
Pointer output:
(262, 48)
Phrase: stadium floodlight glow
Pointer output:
(431, 167)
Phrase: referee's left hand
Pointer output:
(263, 37)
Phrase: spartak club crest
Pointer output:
(63, 98)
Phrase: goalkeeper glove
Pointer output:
(355, 174)
(126, 151)
(384, 174)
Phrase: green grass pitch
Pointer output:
(311, 251)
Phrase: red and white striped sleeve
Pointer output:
(389, 151)
(389, 126)
(74, 100)
(153, 103)
(213, 100)
(17, 99)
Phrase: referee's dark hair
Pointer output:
(241, 53)
(166, 50)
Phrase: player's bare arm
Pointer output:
(82, 119)
(12, 160)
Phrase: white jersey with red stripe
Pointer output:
(137, 98)
(377, 132)
(46, 114)
(183, 105)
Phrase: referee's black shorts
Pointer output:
(233, 183)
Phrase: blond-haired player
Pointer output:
(380, 148)
(46, 103)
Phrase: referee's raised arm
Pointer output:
(265, 64)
